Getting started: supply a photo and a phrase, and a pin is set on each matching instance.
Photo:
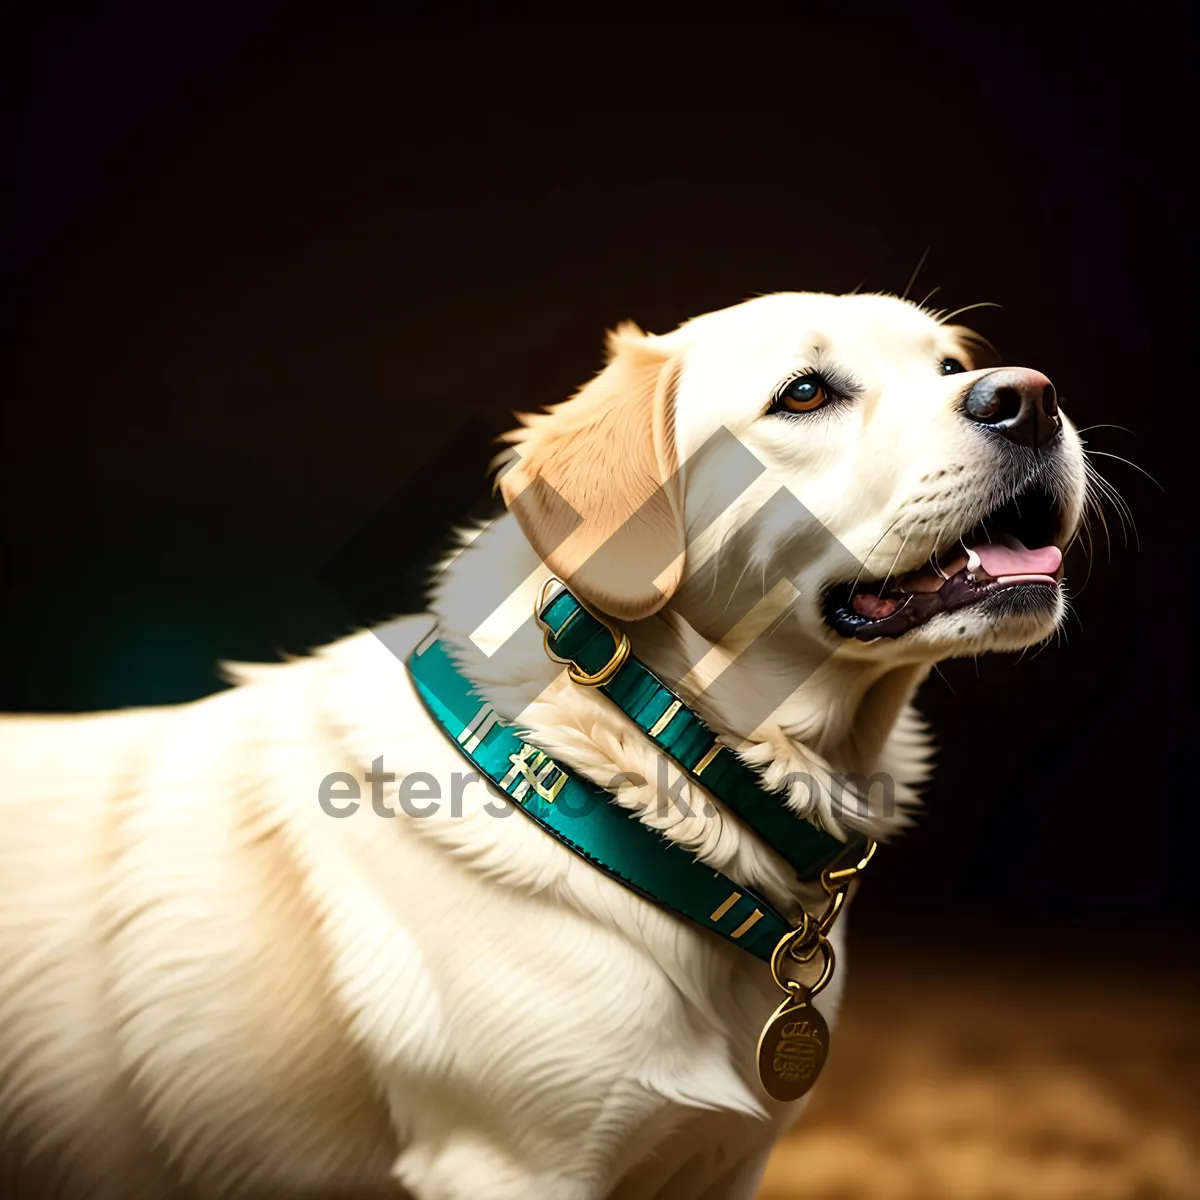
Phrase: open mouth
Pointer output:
(1011, 552)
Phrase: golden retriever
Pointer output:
(222, 975)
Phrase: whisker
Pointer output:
(1097, 494)
(1074, 613)
(895, 560)
(930, 296)
(933, 562)
(958, 312)
(943, 678)
(913, 277)
(1107, 533)
(1123, 511)
(1085, 530)
(1042, 647)
(1105, 489)
(1134, 465)
(1089, 428)
(863, 565)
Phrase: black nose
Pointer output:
(1018, 403)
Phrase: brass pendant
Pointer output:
(792, 1049)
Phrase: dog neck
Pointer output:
(849, 719)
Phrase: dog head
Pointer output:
(845, 460)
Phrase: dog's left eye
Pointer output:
(802, 395)
(951, 366)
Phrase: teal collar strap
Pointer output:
(580, 815)
(595, 652)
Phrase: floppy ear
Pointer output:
(607, 456)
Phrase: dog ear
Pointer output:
(608, 456)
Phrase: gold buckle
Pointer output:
(619, 636)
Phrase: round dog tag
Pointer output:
(792, 1049)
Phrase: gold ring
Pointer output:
(581, 677)
(610, 668)
(787, 984)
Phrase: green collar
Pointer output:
(580, 814)
(588, 645)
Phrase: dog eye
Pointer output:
(951, 366)
(802, 395)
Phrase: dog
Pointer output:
(224, 975)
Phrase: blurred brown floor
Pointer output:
(1003, 1078)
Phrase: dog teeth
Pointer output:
(973, 561)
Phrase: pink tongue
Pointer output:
(999, 561)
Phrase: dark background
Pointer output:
(281, 275)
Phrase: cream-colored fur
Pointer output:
(211, 987)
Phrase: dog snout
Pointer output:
(1019, 403)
